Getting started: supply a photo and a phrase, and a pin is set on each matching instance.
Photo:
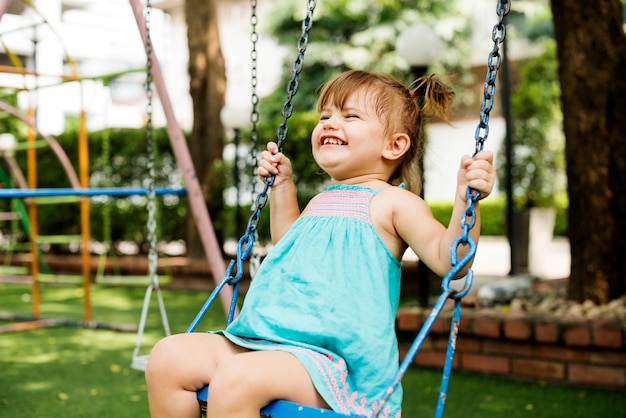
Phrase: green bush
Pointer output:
(124, 165)
(493, 216)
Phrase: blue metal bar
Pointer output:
(447, 367)
(415, 347)
(105, 191)
(209, 302)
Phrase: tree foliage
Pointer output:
(538, 157)
(349, 34)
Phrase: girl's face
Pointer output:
(348, 143)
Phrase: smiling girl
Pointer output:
(317, 324)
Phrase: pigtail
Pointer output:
(433, 97)
(429, 97)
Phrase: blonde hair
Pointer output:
(402, 108)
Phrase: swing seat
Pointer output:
(140, 362)
(132, 281)
(280, 409)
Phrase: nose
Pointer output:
(329, 122)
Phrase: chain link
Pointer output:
(151, 204)
(254, 114)
(292, 87)
(255, 259)
(482, 131)
(493, 64)
(467, 223)
(246, 242)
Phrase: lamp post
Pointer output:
(419, 46)
(236, 118)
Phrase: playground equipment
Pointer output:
(81, 192)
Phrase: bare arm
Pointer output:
(430, 240)
(284, 208)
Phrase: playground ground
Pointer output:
(71, 371)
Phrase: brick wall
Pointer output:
(566, 350)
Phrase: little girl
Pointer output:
(317, 323)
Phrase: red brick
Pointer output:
(430, 358)
(487, 327)
(577, 336)
(408, 319)
(508, 348)
(608, 358)
(608, 337)
(466, 326)
(560, 353)
(598, 375)
(442, 324)
(546, 333)
(440, 342)
(537, 369)
(517, 329)
(427, 344)
(485, 364)
(468, 345)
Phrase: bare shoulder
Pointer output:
(388, 208)
(396, 200)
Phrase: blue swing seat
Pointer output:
(281, 409)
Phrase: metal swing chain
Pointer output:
(467, 223)
(254, 114)
(247, 240)
(255, 259)
(151, 204)
(469, 217)
(482, 130)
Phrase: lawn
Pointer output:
(68, 371)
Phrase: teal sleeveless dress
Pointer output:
(328, 293)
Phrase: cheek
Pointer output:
(315, 135)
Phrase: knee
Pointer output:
(162, 358)
(229, 385)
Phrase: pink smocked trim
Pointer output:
(341, 202)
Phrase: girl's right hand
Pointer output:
(274, 163)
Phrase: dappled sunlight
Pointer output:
(35, 386)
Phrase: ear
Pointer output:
(397, 146)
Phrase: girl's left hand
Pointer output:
(478, 173)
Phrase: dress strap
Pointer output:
(401, 185)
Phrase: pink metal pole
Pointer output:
(4, 4)
(54, 145)
(183, 158)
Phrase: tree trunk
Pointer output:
(592, 68)
(207, 74)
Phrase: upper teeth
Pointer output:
(332, 141)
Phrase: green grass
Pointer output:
(75, 372)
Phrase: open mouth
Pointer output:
(332, 141)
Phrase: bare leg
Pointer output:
(179, 366)
(244, 383)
